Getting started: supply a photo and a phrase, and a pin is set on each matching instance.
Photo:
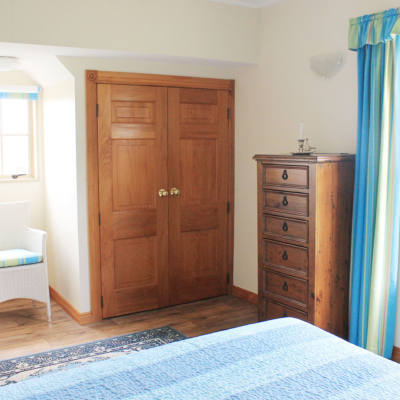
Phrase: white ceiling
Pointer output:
(248, 3)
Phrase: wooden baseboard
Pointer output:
(80, 318)
(244, 294)
(396, 354)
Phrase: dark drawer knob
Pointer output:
(285, 175)
(285, 227)
(285, 201)
(284, 255)
(284, 315)
(285, 286)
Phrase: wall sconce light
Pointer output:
(9, 63)
(326, 65)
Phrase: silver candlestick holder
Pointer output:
(302, 144)
(304, 148)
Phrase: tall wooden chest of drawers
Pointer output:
(304, 238)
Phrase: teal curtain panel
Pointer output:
(375, 239)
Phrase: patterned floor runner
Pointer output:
(18, 369)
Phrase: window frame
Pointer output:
(32, 148)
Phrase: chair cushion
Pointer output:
(14, 257)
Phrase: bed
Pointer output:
(280, 359)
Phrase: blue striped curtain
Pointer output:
(19, 92)
(375, 240)
(19, 96)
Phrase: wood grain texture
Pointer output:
(197, 97)
(313, 276)
(287, 175)
(80, 318)
(333, 238)
(198, 114)
(93, 197)
(199, 161)
(286, 202)
(192, 131)
(303, 159)
(128, 92)
(323, 249)
(133, 131)
(245, 294)
(129, 131)
(396, 354)
(199, 254)
(273, 310)
(120, 78)
(136, 223)
(106, 199)
(134, 226)
(286, 289)
(134, 186)
(132, 112)
(312, 267)
(198, 218)
(135, 263)
(25, 329)
(231, 184)
(283, 257)
(260, 239)
(286, 228)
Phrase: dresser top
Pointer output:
(312, 158)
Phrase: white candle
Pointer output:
(301, 130)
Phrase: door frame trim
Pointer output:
(126, 78)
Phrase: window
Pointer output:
(17, 121)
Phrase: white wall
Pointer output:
(189, 28)
(273, 96)
(61, 190)
(77, 67)
(32, 190)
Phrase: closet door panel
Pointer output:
(198, 168)
(198, 171)
(133, 175)
(134, 219)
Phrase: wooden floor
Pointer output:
(24, 328)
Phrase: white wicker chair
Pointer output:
(23, 281)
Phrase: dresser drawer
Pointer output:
(286, 202)
(292, 259)
(287, 228)
(273, 310)
(285, 287)
(285, 175)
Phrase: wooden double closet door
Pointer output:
(163, 196)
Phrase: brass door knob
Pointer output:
(174, 192)
(162, 193)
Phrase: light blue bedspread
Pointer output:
(280, 359)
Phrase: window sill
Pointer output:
(10, 180)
